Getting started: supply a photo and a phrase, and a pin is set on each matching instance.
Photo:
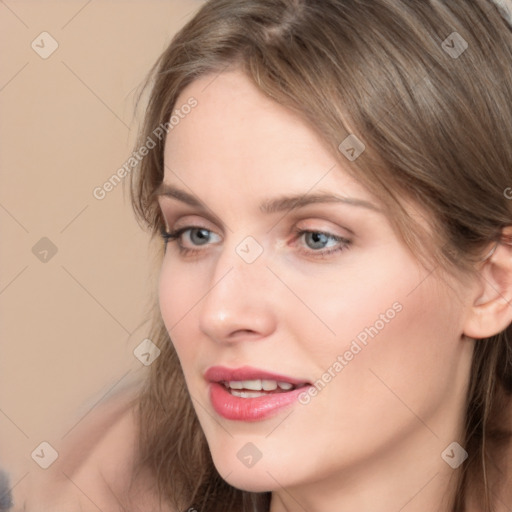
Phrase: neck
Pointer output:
(407, 477)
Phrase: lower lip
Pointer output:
(250, 409)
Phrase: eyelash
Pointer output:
(174, 236)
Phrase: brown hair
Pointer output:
(437, 129)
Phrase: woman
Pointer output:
(332, 181)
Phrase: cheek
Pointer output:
(168, 297)
(179, 291)
(394, 321)
(412, 362)
(423, 345)
(344, 301)
(181, 287)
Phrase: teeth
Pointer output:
(247, 394)
(253, 385)
(258, 385)
(269, 385)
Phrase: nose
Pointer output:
(239, 303)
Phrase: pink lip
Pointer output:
(221, 373)
(249, 409)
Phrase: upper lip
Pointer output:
(223, 374)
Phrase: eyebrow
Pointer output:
(278, 204)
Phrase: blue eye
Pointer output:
(318, 240)
(322, 245)
(319, 244)
(198, 236)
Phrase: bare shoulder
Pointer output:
(94, 469)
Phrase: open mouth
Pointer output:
(251, 394)
(259, 387)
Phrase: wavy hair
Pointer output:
(437, 128)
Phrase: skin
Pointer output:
(94, 468)
(372, 438)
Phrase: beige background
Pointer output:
(69, 325)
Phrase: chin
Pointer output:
(257, 478)
(249, 481)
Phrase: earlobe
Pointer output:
(491, 311)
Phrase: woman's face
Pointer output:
(291, 273)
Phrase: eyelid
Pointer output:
(174, 219)
(171, 210)
(328, 227)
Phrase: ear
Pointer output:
(491, 310)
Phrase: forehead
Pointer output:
(240, 139)
(232, 111)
